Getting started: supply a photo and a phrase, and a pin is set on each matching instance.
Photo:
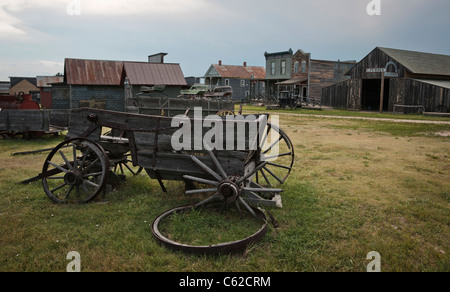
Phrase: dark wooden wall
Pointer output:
(343, 95)
(376, 59)
(413, 92)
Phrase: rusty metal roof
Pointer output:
(241, 72)
(97, 72)
(93, 72)
(154, 74)
(47, 81)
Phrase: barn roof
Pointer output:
(98, 72)
(93, 72)
(439, 83)
(154, 74)
(240, 72)
(420, 63)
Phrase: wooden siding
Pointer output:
(24, 120)
(413, 92)
(402, 91)
(324, 74)
(343, 95)
(376, 59)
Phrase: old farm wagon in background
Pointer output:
(394, 80)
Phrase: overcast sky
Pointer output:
(37, 35)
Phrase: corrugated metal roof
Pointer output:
(241, 72)
(47, 81)
(93, 72)
(421, 63)
(154, 74)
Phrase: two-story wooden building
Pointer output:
(301, 75)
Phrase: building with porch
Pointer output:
(248, 82)
(301, 75)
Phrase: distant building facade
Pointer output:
(4, 87)
(27, 85)
(246, 81)
(44, 83)
(301, 75)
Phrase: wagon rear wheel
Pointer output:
(277, 152)
(75, 172)
(227, 190)
(125, 164)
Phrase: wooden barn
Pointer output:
(394, 80)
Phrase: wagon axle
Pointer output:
(229, 191)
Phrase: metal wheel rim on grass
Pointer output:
(223, 248)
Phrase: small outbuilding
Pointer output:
(108, 84)
(394, 80)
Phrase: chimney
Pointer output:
(220, 62)
(157, 58)
(245, 64)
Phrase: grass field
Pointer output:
(357, 187)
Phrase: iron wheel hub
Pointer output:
(229, 191)
(73, 178)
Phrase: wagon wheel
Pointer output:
(278, 154)
(224, 113)
(230, 191)
(75, 172)
(120, 166)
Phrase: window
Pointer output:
(296, 67)
(242, 83)
(227, 82)
(283, 67)
(303, 66)
(273, 67)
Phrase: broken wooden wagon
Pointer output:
(99, 141)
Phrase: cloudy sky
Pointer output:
(37, 35)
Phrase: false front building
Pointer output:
(301, 75)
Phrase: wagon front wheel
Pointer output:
(75, 172)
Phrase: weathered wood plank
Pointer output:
(25, 120)
(173, 166)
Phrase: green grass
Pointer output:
(344, 113)
(357, 187)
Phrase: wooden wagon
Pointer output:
(101, 142)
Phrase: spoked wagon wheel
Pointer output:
(75, 172)
(230, 191)
(277, 151)
(125, 163)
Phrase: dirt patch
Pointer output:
(443, 134)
